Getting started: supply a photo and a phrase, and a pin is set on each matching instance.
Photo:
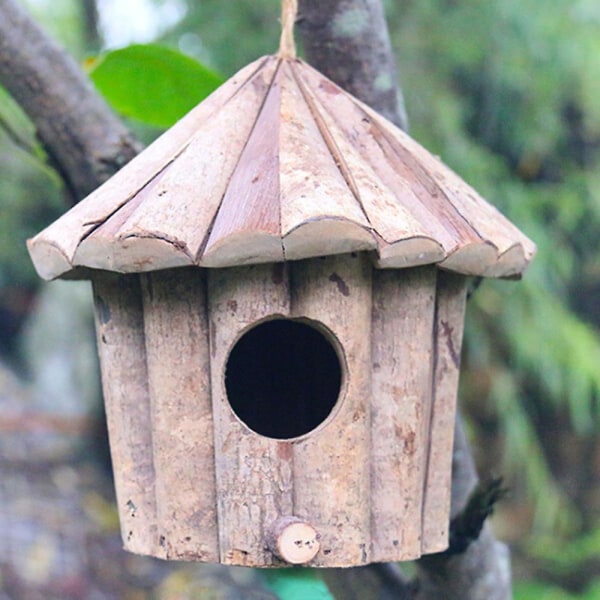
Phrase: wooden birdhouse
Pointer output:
(279, 285)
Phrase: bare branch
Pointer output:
(85, 140)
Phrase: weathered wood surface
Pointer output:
(246, 226)
(293, 540)
(318, 208)
(59, 243)
(280, 163)
(177, 351)
(332, 487)
(195, 483)
(402, 346)
(386, 196)
(254, 474)
(120, 337)
(449, 319)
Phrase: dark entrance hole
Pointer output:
(283, 378)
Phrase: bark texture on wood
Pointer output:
(177, 355)
(402, 341)
(331, 466)
(254, 473)
(450, 310)
(85, 140)
(120, 338)
(349, 42)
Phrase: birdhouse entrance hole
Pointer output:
(283, 378)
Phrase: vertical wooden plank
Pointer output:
(403, 312)
(331, 464)
(176, 328)
(450, 310)
(120, 337)
(254, 473)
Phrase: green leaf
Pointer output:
(151, 83)
(297, 584)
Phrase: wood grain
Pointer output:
(320, 213)
(120, 337)
(247, 227)
(254, 473)
(177, 350)
(390, 218)
(449, 321)
(402, 346)
(331, 465)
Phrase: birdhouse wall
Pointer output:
(403, 327)
(120, 335)
(451, 298)
(195, 482)
(177, 355)
(152, 335)
(322, 477)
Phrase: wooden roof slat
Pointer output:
(178, 210)
(59, 241)
(413, 187)
(491, 225)
(103, 249)
(511, 263)
(400, 232)
(246, 227)
(319, 211)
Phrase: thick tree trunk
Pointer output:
(86, 142)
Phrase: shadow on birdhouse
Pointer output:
(279, 284)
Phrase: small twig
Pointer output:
(466, 527)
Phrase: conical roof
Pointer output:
(281, 164)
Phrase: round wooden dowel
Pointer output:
(293, 540)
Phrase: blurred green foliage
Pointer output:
(536, 590)
(30, 195)
(506, 92)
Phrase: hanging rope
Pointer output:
(287, 47)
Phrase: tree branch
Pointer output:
(349, 42)
(86, 142)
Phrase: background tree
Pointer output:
(499, 90)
